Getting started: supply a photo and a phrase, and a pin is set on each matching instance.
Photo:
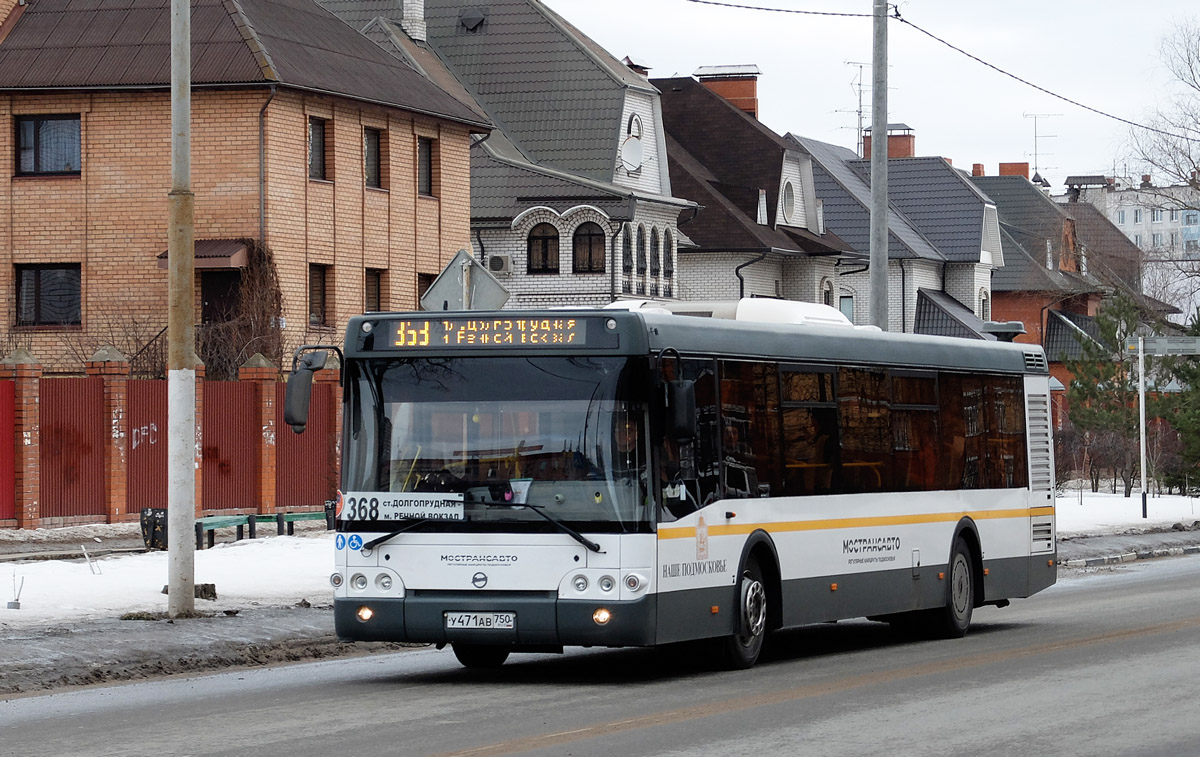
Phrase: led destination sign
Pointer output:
(497, 332)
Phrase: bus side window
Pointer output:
(707, 447)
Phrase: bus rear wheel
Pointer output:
(745, 645)
(479, 655)
(953, 620)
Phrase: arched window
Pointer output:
(654, 253)
(827, 292)
(668, 254)
(985, 305)
(543, 249)
(641, 251)
(627, 250)
(588, 244)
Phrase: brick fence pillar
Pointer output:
(113, 368)
(265, 376)
(26, 374)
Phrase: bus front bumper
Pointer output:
(540, 621)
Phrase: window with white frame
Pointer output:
(1156, 215)
(1120, 217)
(1137, 215)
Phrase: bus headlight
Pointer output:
(384, 582)
(364, 613)
(606, 584)
(601, 616)
(580, 583)
(633, 582)
(358, 582)
(336, 580)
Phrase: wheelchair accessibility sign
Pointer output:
(355, 542)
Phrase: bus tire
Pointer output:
(745, 645)
(953, 620)
(480, 655)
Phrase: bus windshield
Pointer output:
(483, 434)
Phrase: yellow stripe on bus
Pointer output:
(689, 532)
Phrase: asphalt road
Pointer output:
(1105, 662)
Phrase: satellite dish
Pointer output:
(631, 154)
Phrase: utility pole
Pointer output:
(181, 336)
(878, 277)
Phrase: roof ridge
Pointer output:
(250, 36)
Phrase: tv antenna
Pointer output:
(1036, 136)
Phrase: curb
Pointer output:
(1149, 554)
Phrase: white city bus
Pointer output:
(524, 481)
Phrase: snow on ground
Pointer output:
(275, 572)
(281, 571)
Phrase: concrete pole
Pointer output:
(181, 336)
(878, 278)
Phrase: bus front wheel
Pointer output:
(480, 656)
(744, 646)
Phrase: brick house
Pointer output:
(308, 140)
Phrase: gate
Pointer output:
(229, 449)
(71, 422)
(8, 451)
(306, 464)
(146, 478)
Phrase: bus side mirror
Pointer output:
(681, 410)
(299, 390)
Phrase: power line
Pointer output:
(896, 15)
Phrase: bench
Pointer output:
(286, 521)
(211, 523)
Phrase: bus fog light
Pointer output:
(384, 581)
(633, 582)
(606, 584)
(364, 613)
(601, 616)
(358, 582)
(336, 580)
(580, 583)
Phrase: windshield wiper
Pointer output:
(540, 510)
(380, 540)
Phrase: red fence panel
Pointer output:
(306, 464)
(229, 450)
(71, 422)
(146, 477)
(8, 451)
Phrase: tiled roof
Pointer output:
(1063, 333)
(1110, 255)
(725, 226)
(555, 93)
(940, 314)
(720, 158)
(68, 44)
(847, 201)
(943, 204)
(1025, 268)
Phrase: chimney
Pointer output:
(902, 142)
(1146, 181)
(737, 84)
(636, 65)
(977, 169)
(412, 20)
(1014, 169)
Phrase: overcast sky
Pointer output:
(1103, 54)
